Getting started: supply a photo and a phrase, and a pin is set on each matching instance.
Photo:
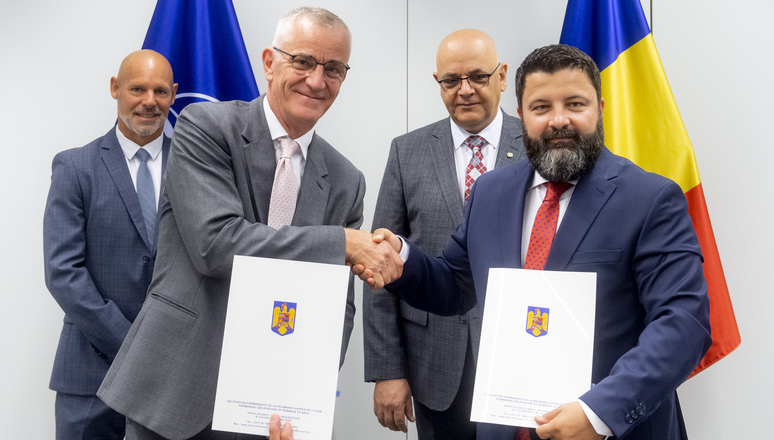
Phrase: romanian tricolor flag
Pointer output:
(643, 124)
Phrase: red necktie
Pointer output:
(544, 228)
(540, 240)
(476, 165)
(522, 434)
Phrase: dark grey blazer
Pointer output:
(219, 180)
(98, 261)
(420, 199)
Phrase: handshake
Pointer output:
(374, 257)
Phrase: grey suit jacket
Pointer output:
(98, 260)
(420, 199)
(219, 180)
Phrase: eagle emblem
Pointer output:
(283, 318)
(537, 321)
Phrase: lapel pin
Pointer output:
(510, 155)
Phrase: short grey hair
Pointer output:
(318, 16)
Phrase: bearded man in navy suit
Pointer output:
(99, 252)
(628, 226)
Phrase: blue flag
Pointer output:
(203, 42)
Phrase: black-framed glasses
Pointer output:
(306, 64)
(476, 81)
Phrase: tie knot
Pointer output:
(474, 142)
(142, 154)
(556, 189)
(288, 146)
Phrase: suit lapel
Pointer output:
(514, 190)
(113, 158)
(442, 157)
(164, 156)
(314, 190)
(589, 197)
(260, 160)
(510, 142)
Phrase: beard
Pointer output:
(565, 161)
(143, 128)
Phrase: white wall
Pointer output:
(57, 58)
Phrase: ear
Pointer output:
(518, 110)
(267, 57)
(503, 77)
(174, 93)
(435, 76)
(114, 87)
(601, 104)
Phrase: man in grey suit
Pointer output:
(422, 197)
(220, 202)
(99, 250)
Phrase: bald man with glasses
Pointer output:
(429, 173)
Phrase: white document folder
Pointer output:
(281, 347)
(537, 343)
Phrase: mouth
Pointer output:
(148, 115)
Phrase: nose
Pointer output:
(316, 79)
(149, 99)
(465, 88)
(560, 119)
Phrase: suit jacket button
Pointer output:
(629, 419)
(146, 259)
(463, 319)
(640, 409)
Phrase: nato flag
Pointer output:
(203, 42)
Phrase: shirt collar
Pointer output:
(130, 148)
(538, 180)
(491, 133)
(277, 130)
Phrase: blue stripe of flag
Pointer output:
(203, 42)
(604, 28)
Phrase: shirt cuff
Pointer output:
(404, 249)
(596, 422)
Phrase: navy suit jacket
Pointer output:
(633, 230)
(98, 261)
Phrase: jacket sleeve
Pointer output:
(67, 277)
(667, 269)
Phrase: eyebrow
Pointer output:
(478, 71)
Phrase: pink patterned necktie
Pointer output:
(284, 191)
(476, 165)
(544, 228)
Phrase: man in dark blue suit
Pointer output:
(628, 226)
(100, 244)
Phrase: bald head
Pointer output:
(472, 105)
(145, 89)
(465, 42)
(146, 59)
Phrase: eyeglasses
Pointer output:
(306, 64)
(476, 81)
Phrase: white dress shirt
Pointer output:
(154, 163)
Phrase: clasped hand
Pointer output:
(374, 258)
